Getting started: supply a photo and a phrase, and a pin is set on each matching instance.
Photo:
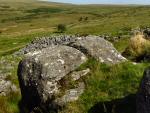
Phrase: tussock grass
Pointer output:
(137, 44)
(138, 47)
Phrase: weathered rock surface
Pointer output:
(98, 48)
(143, 95)
(47, 75)
(7, 87)
(44, 42)
(76, 75)
(71, 94)
(41, 73)
(93, 46)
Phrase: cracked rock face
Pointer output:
(143, 95)
(98, 48)
(40, 72)
(47, 72)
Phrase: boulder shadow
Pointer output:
(123, 105)
(41, 108)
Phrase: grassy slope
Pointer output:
(22, 21)
(105, 84)
(24, 18)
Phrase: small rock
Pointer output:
(78, 74)
(7, 87)
(72, 94)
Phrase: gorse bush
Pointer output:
(61, 28)
(44, 10)
(80, 19)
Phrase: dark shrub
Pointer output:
(61, 28)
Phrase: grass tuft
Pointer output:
(106, 83)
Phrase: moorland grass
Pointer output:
(9, 104)
(106, 83)
(103, 84)
(22, 21)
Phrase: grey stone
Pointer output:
(93, 46)
(40, 43)
(143, 95)
(76, 75)
(72, 94)
(58, 60)
(41, 71)
(48, 69)
(6, 68)
(7, 87)
(98, 48)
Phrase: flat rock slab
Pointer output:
(57, 61)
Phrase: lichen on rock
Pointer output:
(47, 75)
(39, 74)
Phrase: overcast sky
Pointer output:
(146, 2)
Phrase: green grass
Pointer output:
(106, 83)
(9, 104)
(107, 19)
(23, 20)
(9, 45)
(121, 44)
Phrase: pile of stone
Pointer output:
(145, 31)
(44, 42)
(83, 44)
(111, 38)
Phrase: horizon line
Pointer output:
(96, 3)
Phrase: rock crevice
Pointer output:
(49, 66)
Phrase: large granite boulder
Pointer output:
(93, 46)
(47, 75)
(98, 48)
(143, 95)
(45, 78)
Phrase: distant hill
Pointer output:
(33, 16)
